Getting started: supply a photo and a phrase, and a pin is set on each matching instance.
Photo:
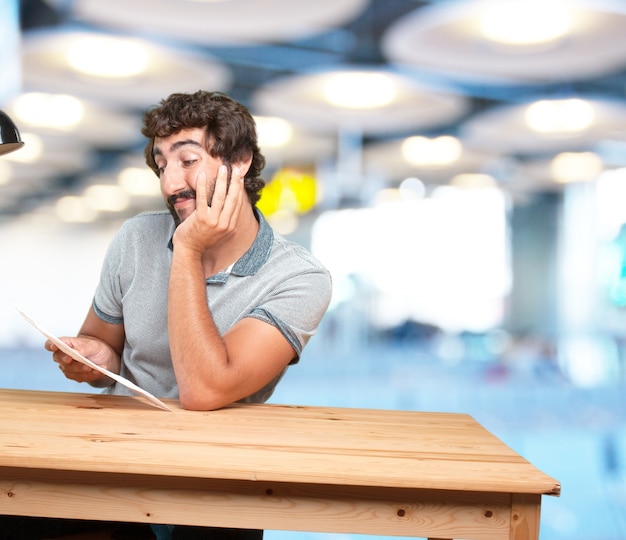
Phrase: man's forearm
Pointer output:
(197, 350)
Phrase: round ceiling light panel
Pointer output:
(370, 101)
(51, 62)
(222, 22)
(548, 40)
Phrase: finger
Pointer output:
(235, 194)
(75, 367)
(236, 182)
(62, 359)
(201, 190)
(78, 374)
(221, 187)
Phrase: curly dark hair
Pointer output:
(230, 128)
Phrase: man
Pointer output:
(212, 306)
(209, 307)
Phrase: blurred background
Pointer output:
(459, 166)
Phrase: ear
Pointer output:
(244, 165)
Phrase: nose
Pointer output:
(172, 180)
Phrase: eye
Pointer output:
(189, 162)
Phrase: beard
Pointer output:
(171, 201)
(185, 194)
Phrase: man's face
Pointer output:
(180, 157)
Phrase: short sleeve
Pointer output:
(107, 302)
(297, 304)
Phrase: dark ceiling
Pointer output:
(357, 42)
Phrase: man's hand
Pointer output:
(95, 350)
(209, 226)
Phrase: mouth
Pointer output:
(181, 205)
(179, 199)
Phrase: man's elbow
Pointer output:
(193, 402)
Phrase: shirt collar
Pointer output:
(255, 257)
(259, 251)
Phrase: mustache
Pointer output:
(181, 195)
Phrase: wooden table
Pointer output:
(416, 474)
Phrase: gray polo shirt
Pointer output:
(276, 281)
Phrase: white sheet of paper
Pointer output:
(80, 358)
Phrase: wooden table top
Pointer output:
(277, 443)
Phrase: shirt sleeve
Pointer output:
(107, 302)
(296, 306)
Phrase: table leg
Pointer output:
(525, 514)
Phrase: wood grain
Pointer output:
(261, 442)
(404, 512)
(402, 473)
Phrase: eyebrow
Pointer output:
(176, 145)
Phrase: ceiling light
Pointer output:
(104, 56)
(576, 167)
(387, 196)
(10, 139)
(273, 132)
(107, 198)
(440, 151)
(74, 209)
(525, 22)
(49, 110)
(139, 181)
(412, 188)
(473, 181)
(560, 116)
(359, 90)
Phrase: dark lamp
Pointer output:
(10, 139)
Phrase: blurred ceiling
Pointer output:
(443, 78)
